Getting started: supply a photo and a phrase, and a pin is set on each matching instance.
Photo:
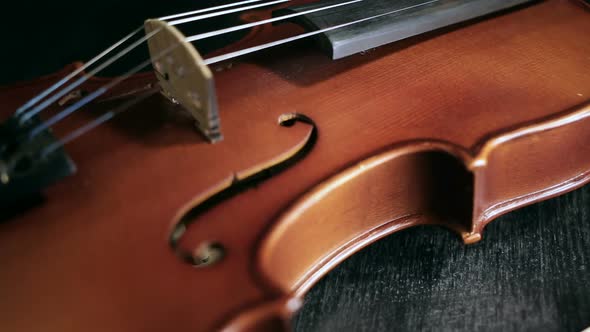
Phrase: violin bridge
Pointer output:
(184, 77)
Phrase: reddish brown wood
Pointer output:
(498, 108)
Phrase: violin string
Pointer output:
(79, 70)
(97, 93)
(205, 10)
(96, 122)
(58, 117)
(257, 23)
(257, 48)
(25, 112)
(105, 117)
(37, 109)
(224, 12)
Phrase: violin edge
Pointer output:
(496, 150)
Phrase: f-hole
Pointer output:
(210, 253)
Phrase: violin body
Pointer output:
(453, 128)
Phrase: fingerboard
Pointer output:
(402, 19)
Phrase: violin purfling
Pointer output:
(212, 192)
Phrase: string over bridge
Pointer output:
(184, 77)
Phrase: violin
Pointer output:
(213, 191)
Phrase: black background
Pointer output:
(531, 271)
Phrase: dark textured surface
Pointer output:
(530, 272)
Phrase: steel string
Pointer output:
(79, 104)
(270, 20)
(25, 113)
(205, 10)
(249, 50)
(224, 12)
(63, 114)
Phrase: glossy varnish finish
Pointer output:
(94, 256)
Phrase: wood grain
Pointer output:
(95, 258)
